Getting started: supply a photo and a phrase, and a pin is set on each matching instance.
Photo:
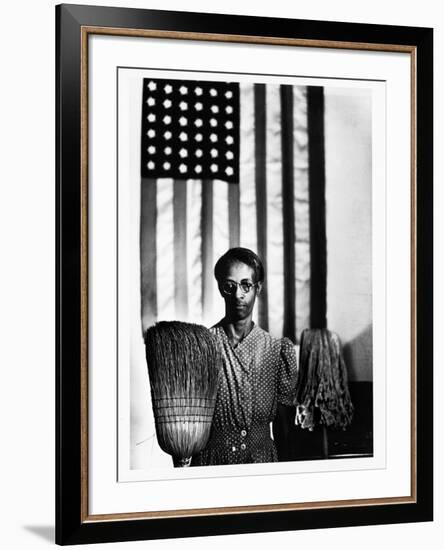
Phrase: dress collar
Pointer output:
(220, 328)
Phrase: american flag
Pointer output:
(228, 164)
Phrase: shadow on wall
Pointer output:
(45, 532)
(358, 356)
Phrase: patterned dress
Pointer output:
(257, 374)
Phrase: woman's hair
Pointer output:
(239, 255)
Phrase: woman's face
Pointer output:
(239, 305)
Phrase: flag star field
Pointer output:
(190, 130)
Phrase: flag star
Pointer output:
(228, 125)
(166, 165)
(213, 167)
(151, 117)
(183, 136)
(183, 153)
(151, 133)
(229, 171)
(214, 153)
(151, 149)
(198, 137)
(168, 88)
(151, 101)
(198, 122)
(198, 90)
(229, 109)
(183, 90)
(229, 140)
(213, 122)
(183, 105)
(214, 109)
(152, 86)
(213, 138)
(167, 103)
(183, 121)
(151, 165)
(229, 94)
(167, 135)
(198, 106)
(182, 168)
(198, 153)
(167, 119)
(198, 168)
(229, 155)
(213, 92)
(167, 150)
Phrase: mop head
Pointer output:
(183, 366)
(323, 396)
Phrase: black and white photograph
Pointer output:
(245, 317)
(223, 250)
(251, 270)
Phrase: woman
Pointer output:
(258, 381)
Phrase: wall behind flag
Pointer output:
(348, 143)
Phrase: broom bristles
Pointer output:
(182, 357)
(183, 365)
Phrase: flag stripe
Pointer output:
(207, 248)
(261, 197)
(318, 275)
(220, 242)
(148, 229)
(289, 328)
(165, 248)
(233, 214)
(180, 249)
(194, 249)
(247, 183)
(301, 210)
(275, 254)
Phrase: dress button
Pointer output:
(243, 446)
(243, 433)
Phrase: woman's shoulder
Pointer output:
(282, 344)
(283, 349)
(277, 342)
(286, 343)
(265, 334)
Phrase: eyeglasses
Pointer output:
(229, 288)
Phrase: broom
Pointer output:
(183, 365)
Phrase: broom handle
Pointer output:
(181, 462)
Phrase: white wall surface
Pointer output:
(348, 198)
(27, 275)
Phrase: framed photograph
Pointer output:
(244, 274)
